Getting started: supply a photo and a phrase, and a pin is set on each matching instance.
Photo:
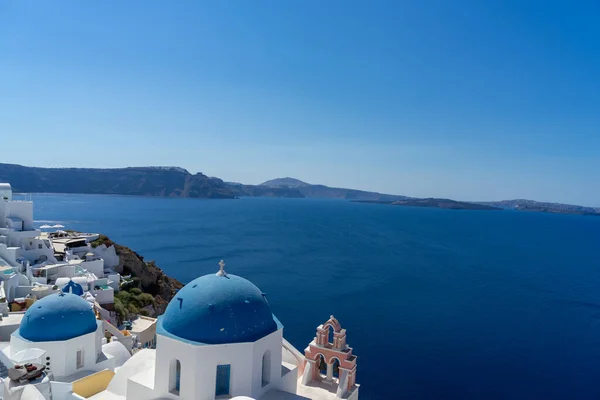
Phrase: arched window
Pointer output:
(330, 331)
(175, 377)
(321, 365)
(266, 368)
(336, 367)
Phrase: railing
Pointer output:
(297, 355)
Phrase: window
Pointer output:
(321, 364)
(79, 358)
(266, 368)
(175, 378)
(336, 368)
(223, 376)
(330, 335)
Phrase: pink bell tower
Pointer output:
(329, 360)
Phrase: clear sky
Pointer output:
(472, 100)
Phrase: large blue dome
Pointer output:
(216, 309)
(56, 317)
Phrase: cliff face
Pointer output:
(141, 181)
(152, 279)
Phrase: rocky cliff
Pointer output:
(148, 277)
(140, 181)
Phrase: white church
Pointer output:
(217, 339)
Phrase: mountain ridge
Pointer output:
(172, 181)
(328, 192)
(141, 181)
(287, 181)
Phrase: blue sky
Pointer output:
(472, 100)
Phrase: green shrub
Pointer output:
(132, 308)
(121, 310)
(146, 299)
(124, 296)
(102, 240)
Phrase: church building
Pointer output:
(217, 339)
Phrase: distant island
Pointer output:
(538, 206)
(432, 202)
(178, 182)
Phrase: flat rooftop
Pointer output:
(14, 318)
(141, 324)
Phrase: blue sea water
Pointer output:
(438, 304)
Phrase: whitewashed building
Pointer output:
(217, 339)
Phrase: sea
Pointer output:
(437, 304)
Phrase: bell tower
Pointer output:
(329, 360)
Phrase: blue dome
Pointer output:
(59, 316)
(74, 288)
(217, 309)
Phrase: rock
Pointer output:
(151, 278)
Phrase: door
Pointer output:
(223, 377)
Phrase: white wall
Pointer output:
(61, 390)
(63, 354)
(66, 271)
(289, 382)
(5, 191)
(32, 249)
(199, 366)
(104, 296)
(10, 254)
(272, 343)
(109, 255)
(96, 267)
(22, 210)
(11, 286)
(15, 223)
(121, 384)
(6, 330)
(3, 205)
(16, 236)
(114, 281)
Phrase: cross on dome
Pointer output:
(221, 269)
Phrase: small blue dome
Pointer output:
(217, 309)
(56, 317)
(74, 288)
